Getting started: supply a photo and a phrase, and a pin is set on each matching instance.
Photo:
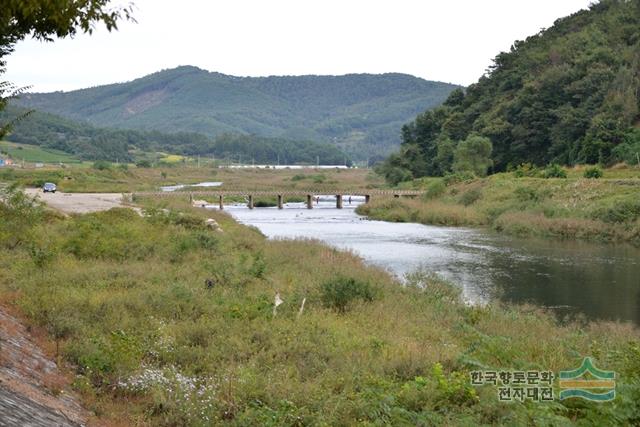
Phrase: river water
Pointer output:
(573, 278)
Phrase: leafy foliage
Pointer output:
(340, 293)
(569, 94)
(554, 170)
(473, 155)
(92, 143)
(593, 172)
(18, 213)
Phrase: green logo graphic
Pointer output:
(599, 387)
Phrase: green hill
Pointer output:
(569, 94)
(89, 142)
(360, 113)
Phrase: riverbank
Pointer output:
(124, 178)
(605, 210)
(167, 321)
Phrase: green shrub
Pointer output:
(258, 267)
(527, 194)
(41, 254)
(117, 234)
(454, 389)
(207, 240)
(191, 222)
(396, 175)
(623, 211)
(435, 189)
(525, 169)
(471, 196)
(341, 292)
(143, 164)
(319, 179)
(593, 172)
(19, 213)
(554, 171)
(101, 165)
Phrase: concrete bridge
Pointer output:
(280, 195)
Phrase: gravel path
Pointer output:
(78, 203)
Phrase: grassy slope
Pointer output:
(606, 209)
(139, 337)
(35, 154)
(117, 179)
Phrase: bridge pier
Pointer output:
(309, 201)
(367, 198)
(339, 201)
(280, 201)
(221, 202)
(250, 204)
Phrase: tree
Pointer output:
(44, 19)
(473, 155)
(444, 157)
(569, 94)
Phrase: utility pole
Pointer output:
(638, 158)
(198, 161)
(317, 161)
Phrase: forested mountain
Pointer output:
(361, 113)
(569, 94)
(93, 143)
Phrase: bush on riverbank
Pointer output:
(601, 210)
(152, 344)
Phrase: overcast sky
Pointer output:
(447, 40)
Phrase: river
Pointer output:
(573, 278)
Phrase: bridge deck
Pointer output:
(313, 192)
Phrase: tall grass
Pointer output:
(601, 210)
(120, 180)
(152, 343)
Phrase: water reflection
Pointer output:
(599, 281)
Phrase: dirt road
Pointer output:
(78, 202)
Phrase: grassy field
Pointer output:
(128, 178)
(35, 154)
(156, 346)
(604, 209)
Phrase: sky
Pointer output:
(448, 40)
